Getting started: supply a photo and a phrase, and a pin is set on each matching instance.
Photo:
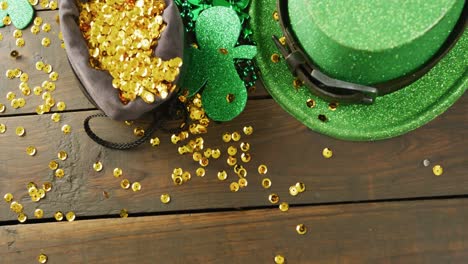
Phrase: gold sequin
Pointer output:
(70, 216)
(266, 183)
(327, 153)
(227, 137)
(275, 58)
(284, 207)
(17, 33)
(38, 213)
(242, 172)
(262, 169)
(231, 161)
(10, 96)
(123, 213)
(35, 29)
(47, 68)
(232, 150)
(282, 40)
(279, 259)
(3, 5)
(136, 186)
(200, 172)
(207, 153)
(333, 106)
(293, 191)
(155, 142)
(58, 216)
(62, 155)
(20, 131)
(138, 131)
(437, 170)
(16, 207)
(301, 229)
(300, 187)
(2, 108)
(40, 65)
(66, 129)
(204, 162)
(42, 258)
(125, 184)
(53, 76)
(47, 186)
(297, 83)
(7, 20)
(53, 5)
(31, 151)
(33, 2)
(55, 117)
(178, 180)
(276, 16)
(61, 106)
(37, 90)
(186, 176)
(244, 146)
(196, 156)
(117, 172)
(37, 21)
(97, 166)
(222, 175)
(8, 197)
(20, 42)
(273, 198)
(245, 157)
(22, 217)
(243, 182)
(236, 136)
(234, 187)
(215, 153)
(46, 27)
(165, 198)
(45, 42)
(3, 128)
(59, 173)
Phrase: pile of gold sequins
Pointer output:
(121, 37)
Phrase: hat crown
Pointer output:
(375, 41)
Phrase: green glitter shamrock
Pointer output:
(20, 12)
(211, 66)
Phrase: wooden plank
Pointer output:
(401, 232)
(388, 169)
(67, 86)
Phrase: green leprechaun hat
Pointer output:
(362, 70)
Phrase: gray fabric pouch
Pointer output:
(98, 84)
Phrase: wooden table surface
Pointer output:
(372, 202)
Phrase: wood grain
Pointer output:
(411, 232)
(390, 169)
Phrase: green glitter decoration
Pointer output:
(390, 116)
(211, 66)
(190, 10)
(20, 12)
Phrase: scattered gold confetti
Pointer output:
(53, 165)
(61, 106)
(55, 117)
(236, 136)
(327, 153)
(293, 191)
(244, 146)
(20, 42)
(97, 166)
(243, 182)
(234, 187)
(200, 172)
(273, 198)
(117, 172)
(42, 258)
(8, 197)
(38, 213)
(70, 216)
(227, 137)
(59, 173)
(165, 198)
(20, 131)
(66, 129)
(301, 229)
(266, 183)
(58, 216)
(31, 151)
(438, 170)
(125, 184)
(136, 186)
(262, 169)
(222, 175)
(22, 217)
(123, 213)
(279, 259)
(37, 21)
(245, 157)
(47, 186)
(16, 207)
(45, 42)
(300, 187)
(45, 27)
(62, 155)
(284, 207)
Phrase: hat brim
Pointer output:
(390, 116)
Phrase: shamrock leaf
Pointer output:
(20, 12)
(212, 65)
